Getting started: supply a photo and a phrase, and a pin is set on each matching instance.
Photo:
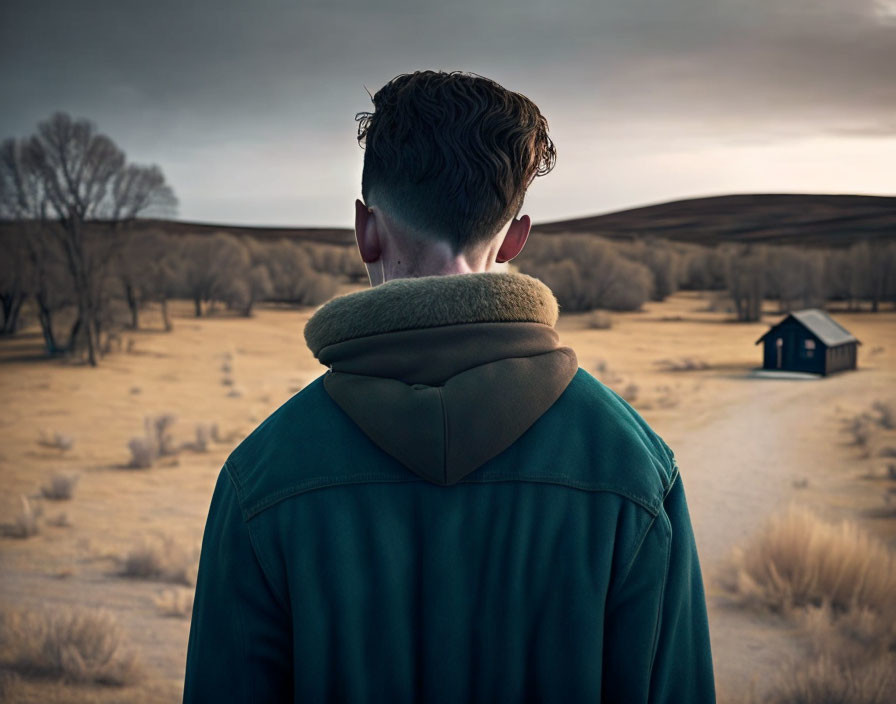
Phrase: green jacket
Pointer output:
(454, 512)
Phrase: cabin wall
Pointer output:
(800, 349)
(842, 357)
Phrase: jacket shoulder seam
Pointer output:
(650, 525)
(662, 600)
(650, 505)
(265, 569)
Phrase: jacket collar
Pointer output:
(443, 372)
(431, 301)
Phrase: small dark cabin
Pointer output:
(809, 341)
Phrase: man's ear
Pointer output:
(366, 233)
(515, 239)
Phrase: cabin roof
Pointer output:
(820, 324)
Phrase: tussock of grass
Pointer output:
(155, 442)
(685, 364)
(75, 645)
(666, 398)
(630, 392)
(826, 680)
(858, 430)
(799, 560)
(26, 522)
(177, 603)
(855, 636)
(599, 320)
(59, 521)
(56, 440)
(885, 414)
(61, 487)
(162, 559)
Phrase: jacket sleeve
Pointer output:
(657, 646)
(240, 643)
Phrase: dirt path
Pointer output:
(739, 460)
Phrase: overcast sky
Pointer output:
(249, 107)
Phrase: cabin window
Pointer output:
(809, 348)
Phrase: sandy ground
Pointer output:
(746, 447)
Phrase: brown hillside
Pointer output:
(815, 220)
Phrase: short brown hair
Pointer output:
(452, 154)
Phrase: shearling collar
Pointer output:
(431, 301)
(444, 372)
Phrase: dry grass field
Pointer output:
(106, 476)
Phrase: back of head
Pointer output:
(450, 155)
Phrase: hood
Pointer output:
(443, 372)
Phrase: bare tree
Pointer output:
(32, 253)
(746, 281)
(705, 270)
(246, 290)
(149, 269)
(13, 278)
(211, 265)
(84, 178)
(586, 272)
(877, 263)
(292, 274)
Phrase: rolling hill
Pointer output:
(795, 219)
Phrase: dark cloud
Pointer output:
(263, 94)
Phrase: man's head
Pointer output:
(448, 159)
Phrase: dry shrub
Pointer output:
(160, 558)
(826, 680)
(159, 427)
(76, 645)
(56, 440)
(155, 442)
(685, 364)
(799, 560)
(599, 320)
(853, 636)
(858, 430)
(60, 488)
(205, 433)
(59, 521)
(886, 417)
(143, 452)
(666, 398)
(630, 392)
(177, 603)
(25, 523)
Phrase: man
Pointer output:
(455, 511)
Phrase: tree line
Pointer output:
(587, 272)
